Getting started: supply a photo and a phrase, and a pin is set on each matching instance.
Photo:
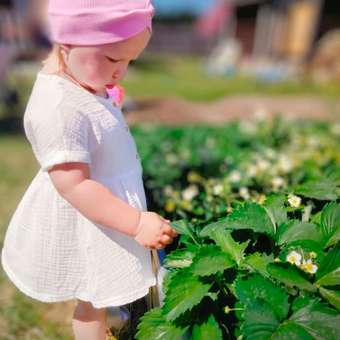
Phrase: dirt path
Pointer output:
(177, 111)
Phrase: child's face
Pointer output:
(102, 65)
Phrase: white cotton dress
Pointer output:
(52, 252)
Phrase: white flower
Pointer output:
(244, 193)
(262, 165)
(294, 258)
(252, 171)
(168, 190)
(217, 189)
(309, 267)
(284, 164)
(171, 158)
(184, 154)
(277, 182)
(234, 176)
(270, 153)
(190, 192)
(294, 201)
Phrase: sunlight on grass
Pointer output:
(164, 75)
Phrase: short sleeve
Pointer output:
(58, 137)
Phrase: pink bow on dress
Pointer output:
(117, 94)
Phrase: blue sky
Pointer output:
(175, 7)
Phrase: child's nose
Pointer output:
(120, 73)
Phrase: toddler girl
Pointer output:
(82, 230)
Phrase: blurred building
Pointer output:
(276, 28)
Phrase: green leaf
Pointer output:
(185, 290)
(153, 325)
(260, 322)
(291, 331)
(318, 320)
(330, 279)
(179, 258)
(184, 227)
(225, 241)
(208, 330)
(330, 223)
(258, 288)
(333, 297)
(333, 173)
(316, 219)
(290, 276)
(329, 269)
(300, 302)
(205, 232)
(167, 279)
(295, 230)
(258, 262)
(321, 189)
(275, 205)
(210, 260)
(251, 216)
(312, 321)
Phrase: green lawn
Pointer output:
(157, 75)
(20, 316)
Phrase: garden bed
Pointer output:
(257, 206)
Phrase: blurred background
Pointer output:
(201, 50)
(208, 62)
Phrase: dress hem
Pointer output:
(115, 302)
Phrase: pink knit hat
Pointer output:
(96, 22)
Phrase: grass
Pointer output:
(163, 75)
(20, 316)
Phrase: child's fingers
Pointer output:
(169, 230)
(159, 245)
(174, 233)
(166, 239)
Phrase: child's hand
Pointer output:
(153, 231)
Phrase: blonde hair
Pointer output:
(56, 57)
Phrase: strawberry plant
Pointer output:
(261, 272)
(257, 207)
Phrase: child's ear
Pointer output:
(65, 50)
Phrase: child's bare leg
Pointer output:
(89, 323)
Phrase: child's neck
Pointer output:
(51, 67)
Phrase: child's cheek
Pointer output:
(96, 71)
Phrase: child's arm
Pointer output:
(97, 203)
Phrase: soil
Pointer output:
(177, 111)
